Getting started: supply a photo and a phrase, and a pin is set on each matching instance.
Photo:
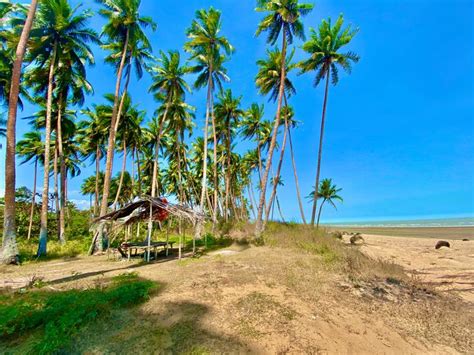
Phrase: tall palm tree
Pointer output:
(168, 85)
(268, 82)
(328, 193)
(205, 45)
(60, 31)
(124, 29)
(228, 112)
(325, 59)
(30, 148)
(283, 17)
(9, 247)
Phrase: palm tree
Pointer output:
(168, 85)
(124, 30)
(205, 45)
(60, 32)
(31, 148)
(92, 133)
(129, 135)
(328, 192)
(268, 82)
(228, 111)
(325, 59)
(9, 247)
(63, 32)
(283, 18)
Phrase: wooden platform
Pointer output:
(129, 248)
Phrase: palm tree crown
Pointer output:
(323, 47)
(284, 16)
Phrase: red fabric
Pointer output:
(161, 214)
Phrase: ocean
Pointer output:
(435, 222)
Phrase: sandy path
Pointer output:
(448, 269)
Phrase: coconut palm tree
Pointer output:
(61, 31)
(125, 30)
(324, 47)
(92, 133)
(328, 193)
(168, 85)
(228, 112)
(9, 247)
(268, 82)
(30, 148)
(283, 17)
(205, 45)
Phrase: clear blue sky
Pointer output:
(399, 137)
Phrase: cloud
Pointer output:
(81, 204)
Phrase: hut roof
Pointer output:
(139, 211)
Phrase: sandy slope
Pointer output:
(256, 300)
(448, 269)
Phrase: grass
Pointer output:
(48, 321)
(56, 250)
(332, 252)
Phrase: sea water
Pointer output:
(432, 222)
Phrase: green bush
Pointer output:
(58, 316)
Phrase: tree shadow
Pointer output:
(177, 329)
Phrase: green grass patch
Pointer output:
(52, 319)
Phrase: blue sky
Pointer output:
(399, 137)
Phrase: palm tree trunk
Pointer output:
(139, 175)
(33, 200)
(43, 237)
(216, 177)
(316, 186)
(112, 130)
(252, 199)
(319, 214)
(280, 163)
(9, 254)
(122, 173)
(227, 175)
(62, 204)
(298, 194)
(154, 185)
(97, 174)
(206, 126)
(56, 187)
(259, 223)
(279, 209)
(202, 201)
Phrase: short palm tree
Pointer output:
(328, 193)
(324, 47)
(228, 112)
(31, 148)
(92, 133)
(283, 17)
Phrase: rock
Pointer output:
(465, 240)
(442, 243)
(356, 239)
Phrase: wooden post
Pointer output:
(167, 237)
(150, 223)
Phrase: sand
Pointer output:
(450, 270)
